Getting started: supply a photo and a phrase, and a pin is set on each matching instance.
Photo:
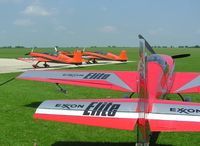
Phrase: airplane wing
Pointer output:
(27, 59)
(90, 57)
(186, 82)
(174, 116)
(109, 113)
(114, 80)
(42, 59)
(33, 59)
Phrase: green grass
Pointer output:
(19, 100)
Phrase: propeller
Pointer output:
(180, 56)
(153, 52)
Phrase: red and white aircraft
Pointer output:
(151, 112)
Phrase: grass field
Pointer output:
(19, 99)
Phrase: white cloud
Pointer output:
(23, 22)
(156, 31)
(108, 29)
(36, 10)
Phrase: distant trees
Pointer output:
(196, 46)
(180, 46)
(19, 47)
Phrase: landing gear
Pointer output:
(94, 61)
(128, 96)
(186, 99)
(46, 65)
(36, 65)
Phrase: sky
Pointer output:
(84, 23)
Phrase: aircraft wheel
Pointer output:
(188, 99)
(125, 96)
(46, 65)
(94, 62)
(35, 66)
(88, 62)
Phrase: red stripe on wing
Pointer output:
(116, 123)
(176, 126)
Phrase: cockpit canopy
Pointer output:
(157, 58)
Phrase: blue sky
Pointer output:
(99, 22)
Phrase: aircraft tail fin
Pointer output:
(123, 55)
(78, 57)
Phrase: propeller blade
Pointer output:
(180, 56)
(147, 44)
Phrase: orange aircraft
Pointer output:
(93, 56)
(56, 57)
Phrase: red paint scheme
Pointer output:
(175, 126)
(153, 81)
(128, 77)
(116, 123)
(161, 81)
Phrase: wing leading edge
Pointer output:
(114, 80)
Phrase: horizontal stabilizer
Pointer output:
(176, 116)
(114, 80)
(108, 113)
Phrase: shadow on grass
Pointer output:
(34, 104)
(74, 143)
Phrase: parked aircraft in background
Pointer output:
(92, 57)
(56, 57)
(151, 112)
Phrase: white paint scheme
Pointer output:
(125, 115)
